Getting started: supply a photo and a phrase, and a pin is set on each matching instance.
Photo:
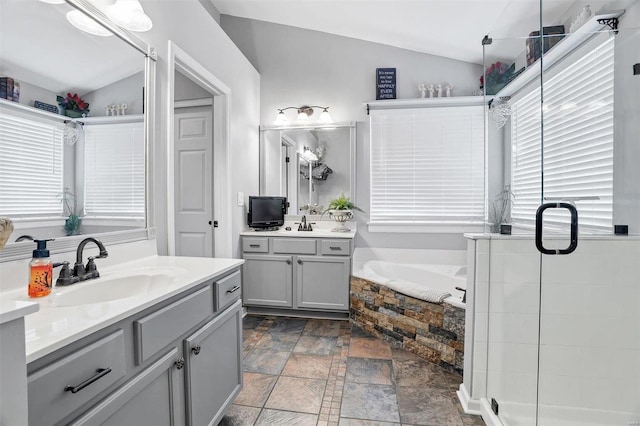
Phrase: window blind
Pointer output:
(577, 142)
(30, 167)
(114, 170)
(427, 165)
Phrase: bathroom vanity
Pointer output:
(165, 352)
(287, 271)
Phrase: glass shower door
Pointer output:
(589, 299)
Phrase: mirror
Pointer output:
(290, 155)
(46, 57)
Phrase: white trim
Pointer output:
(189, 103)
(192, 69)
(487, 415)
(470, 406)
(425, 102)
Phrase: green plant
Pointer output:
(342, 203)
(72, 222)
(500, 208)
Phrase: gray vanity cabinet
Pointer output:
(268, 280)
(151, 398)
(320, 282)
(301, 273)
(175, 363)
(208, 361)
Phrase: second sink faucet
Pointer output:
(91, 271)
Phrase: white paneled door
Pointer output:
(193, 153)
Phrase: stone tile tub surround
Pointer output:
(432, 331)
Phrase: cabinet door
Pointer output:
(214, 367)
(323, 283)
(267, 281)
(152, 398)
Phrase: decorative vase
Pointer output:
(72, 113)
(6, 228)
(340, 216)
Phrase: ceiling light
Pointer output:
(53, 1)
(129, 15)
(304, 112)
(86, 24)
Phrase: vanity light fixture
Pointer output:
(129, 15)
(86, 24)
(304, 112)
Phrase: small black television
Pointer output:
(266, 212)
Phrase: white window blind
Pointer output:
(30, 167)
(578, 142)
(114, 170)
(427, 165)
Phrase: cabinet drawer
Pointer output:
(335, 247)
(227, 290)
(155, 331)
(255, 245)
(88, 372)
(294, 245)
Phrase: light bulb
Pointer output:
(86, 24)
(281, 119)
(129, 15)
(325, 117)
(302, 117)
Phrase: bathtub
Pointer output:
(411, 272)
(385, 300)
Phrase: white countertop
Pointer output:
(53, 327)
(14, 309)
(320, 233)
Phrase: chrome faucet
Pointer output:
(80, 271)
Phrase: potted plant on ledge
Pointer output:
(73, 106)
(341, 209)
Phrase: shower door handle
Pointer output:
(574, 228)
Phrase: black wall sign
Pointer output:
(385, 83)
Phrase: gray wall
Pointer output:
(300, 67)
(126, 91)
(211, 47)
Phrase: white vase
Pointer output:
(340, 216)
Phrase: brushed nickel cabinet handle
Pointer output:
(196, 349)
(288, 261)
(179, 363)
(234, 289)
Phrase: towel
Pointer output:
(418, 291)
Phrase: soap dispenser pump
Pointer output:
(40, 271)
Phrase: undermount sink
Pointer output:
(127, 284)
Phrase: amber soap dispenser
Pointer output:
(40, 271)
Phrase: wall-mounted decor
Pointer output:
(385, 83)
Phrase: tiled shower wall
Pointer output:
(589, 329)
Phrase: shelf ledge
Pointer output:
(559, 51)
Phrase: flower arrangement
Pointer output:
(73, 105)
(496, 77)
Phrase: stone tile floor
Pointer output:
(326, 372)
